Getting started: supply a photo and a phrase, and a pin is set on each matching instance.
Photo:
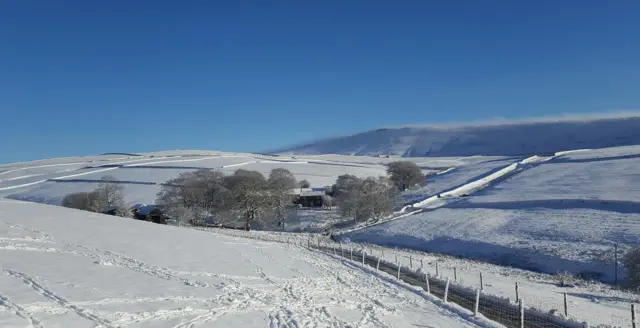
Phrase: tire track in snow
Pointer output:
(19, 311)
(30, 282)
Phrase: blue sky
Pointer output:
(86, 77)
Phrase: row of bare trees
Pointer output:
(245, 196)
(108, 196)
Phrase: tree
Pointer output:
(376, 197)
(344, 183)
(304, 184)
(86, 201)
(249, 195)
(371, 198)
(281, 179)
(327, 202)
(405, 174)
(631, 262)
(280, 183)
(110, 192)
(192, 196)
(347, 190)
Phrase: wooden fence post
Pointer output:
(633, 316)
(426, 279)
(455, 274)
(446, 291)
(363, 254)
(437, 275)
(475, 307)
(481, 284)
(398, 271)
(565, 305)
(410, 261)
(517, 293)
(378, 265)
(521, 305)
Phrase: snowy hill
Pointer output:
(68, 268)
(561, 212)
(508, 139)
(48, 181)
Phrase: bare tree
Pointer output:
(371, 198)
(304, 184)
(192, 196)
(249, 195)
(281, 179)
(327, 202)
(631, 262)
(405, 174)
(110, 191)
(347, 190)
(86, 201)
(376, 197)
(280, 184)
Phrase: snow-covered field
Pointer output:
(564, 212)
(66, 268)
(48, 181)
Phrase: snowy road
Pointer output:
(66, 268)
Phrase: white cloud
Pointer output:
(574, 117)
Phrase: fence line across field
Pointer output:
(516, 314)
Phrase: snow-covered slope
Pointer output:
(67, 268)
(48, 181)
(492, 139)
(563, 212)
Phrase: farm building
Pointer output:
(309, 197)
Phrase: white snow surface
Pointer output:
(561, 212)
(68, 268)
(48, 181)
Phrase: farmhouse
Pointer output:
(308, 197)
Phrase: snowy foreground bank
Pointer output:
(67, 268)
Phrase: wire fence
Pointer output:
(510, 313)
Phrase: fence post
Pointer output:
(455, 274)
(565, 305)
(517, 293)
(437, 275)
(633, 316)
(475, 307)
(398, 271)
(446, 291)
(426, 279)
(422, 264)
(378, 265)
(363, 254)
(520, 303)
(481, 284)
(410, 262)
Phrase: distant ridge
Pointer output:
(496, 138)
